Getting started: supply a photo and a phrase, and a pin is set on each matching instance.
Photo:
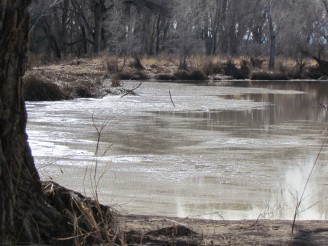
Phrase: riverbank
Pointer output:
(106, 226)
(67, 80)
(188, 231)
(99, 76)
(156, 230)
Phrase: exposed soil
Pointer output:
(92, 223)
(153, 230)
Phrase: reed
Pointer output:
(315, 163)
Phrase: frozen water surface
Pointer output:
(232, 150)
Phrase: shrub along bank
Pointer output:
(87, 77)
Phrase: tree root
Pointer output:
(87, 221)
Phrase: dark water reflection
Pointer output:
(304, 106)
(230, 149)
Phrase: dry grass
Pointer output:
(150, 61)
(267, 75)
(76, 78)
(87, 221)
(84, 77)
(38, 87)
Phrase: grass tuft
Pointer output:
(165, 77)
(267, 75)
(230, 69)
(190, 75)
(39, 88)
(313, 72)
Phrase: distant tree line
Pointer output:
(184, 27)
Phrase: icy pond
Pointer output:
(227, 150)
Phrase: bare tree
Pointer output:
(74, 25)
(186, 34)
(138, 27)
(225, 27)
(44, 19)
(272, 34)
(277, 13)
(99, 9)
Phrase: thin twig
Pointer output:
(257, 220)
(131, 91)
(306, 184)
(171, 97)
(314, 204)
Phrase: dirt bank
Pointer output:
(78, 78)
(187, 231)
(89, 223)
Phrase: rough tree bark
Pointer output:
(25, 217)
(30, 213)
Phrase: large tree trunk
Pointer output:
(98, 9)
(272, 35)
(30, 214)
(24, 215)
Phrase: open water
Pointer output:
(226, 150)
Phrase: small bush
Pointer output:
(140, 76)
(181, 75)
(37, 88)
(77, 62)
(313, 72)
(183, 64)
(230, 69)
(154, 66)
(298, 71)
(257, 62)
(288, 70)
(116, 82)
(294, 73)
(267, 75)
(244, 70)
(324, 77)
(124, 76)
(112, 68)
(197, 75)
(210, 68)
(132, 76)
(165, 77)
(83, 92)
(136, 63)
(112, 65)
(193, 75)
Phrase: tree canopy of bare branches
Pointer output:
(150, 27)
